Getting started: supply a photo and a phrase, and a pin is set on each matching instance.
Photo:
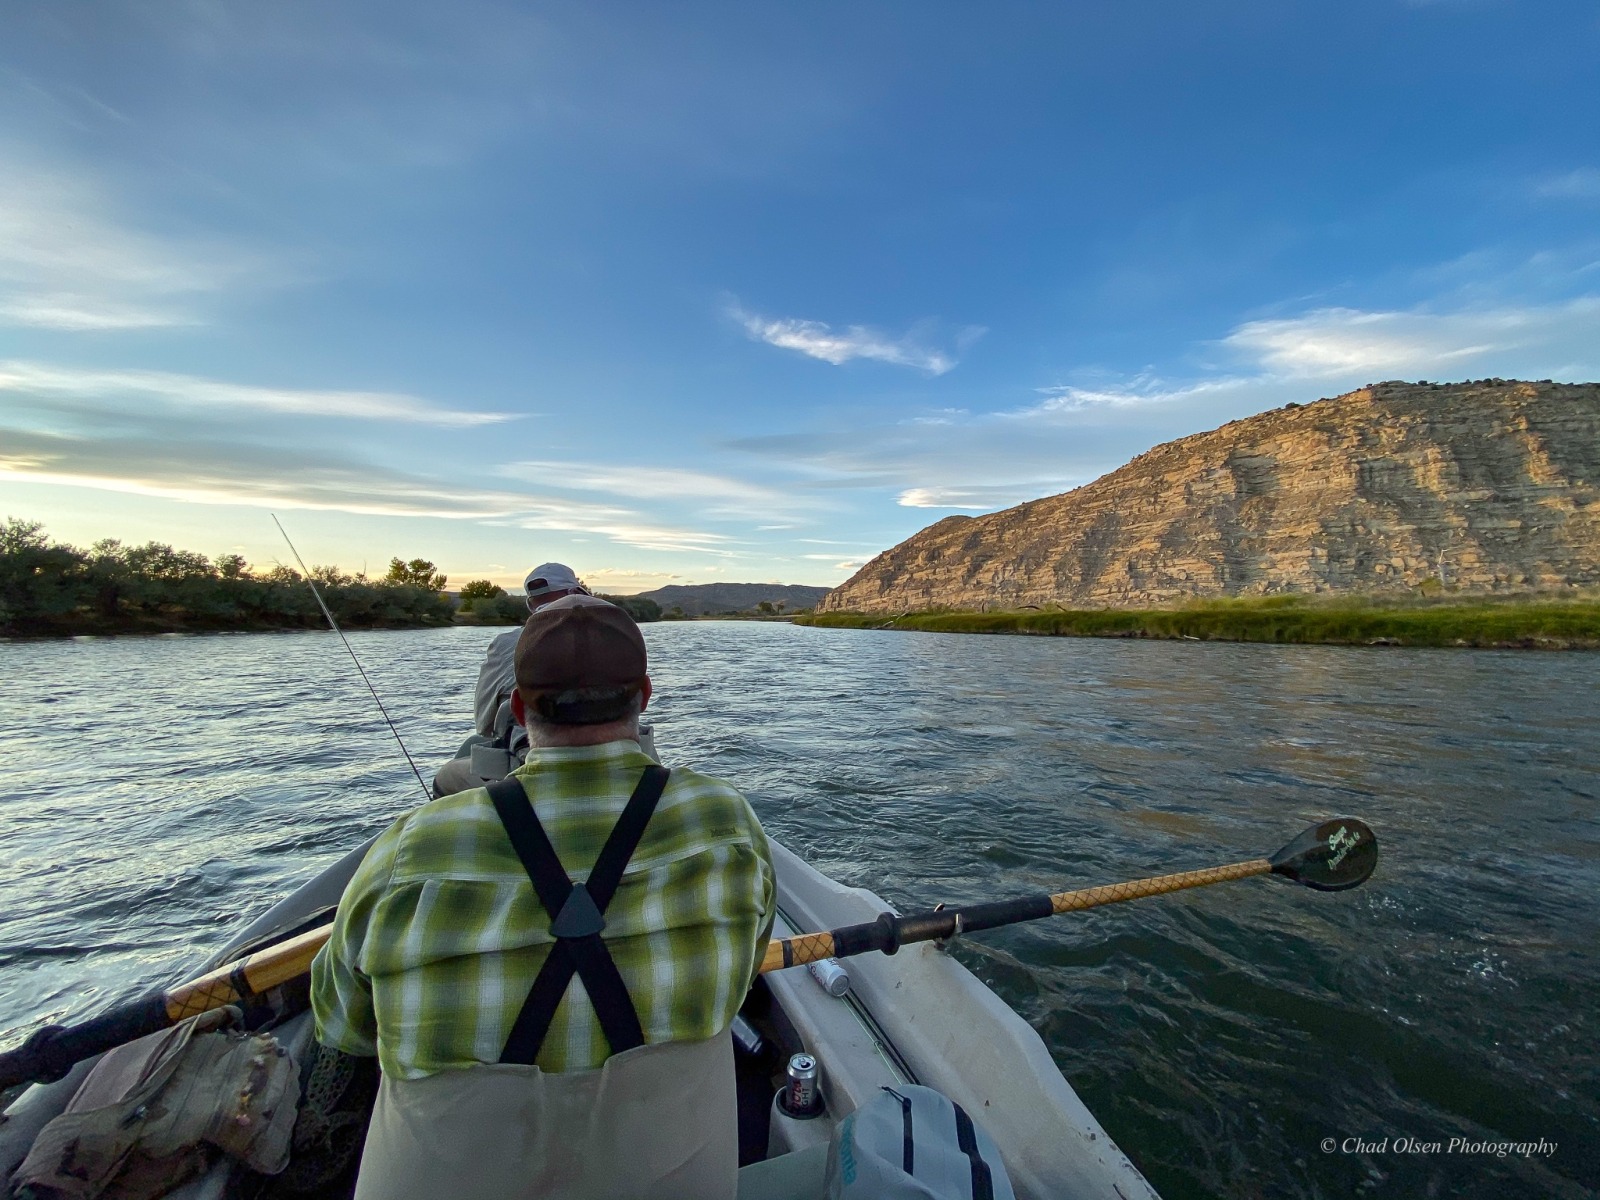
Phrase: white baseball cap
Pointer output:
(550, 577)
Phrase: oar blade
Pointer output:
(1330, 857)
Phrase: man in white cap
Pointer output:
(541, 1036)
(544, 584)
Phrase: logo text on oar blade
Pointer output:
(1340, 843)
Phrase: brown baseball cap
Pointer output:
(579, 642)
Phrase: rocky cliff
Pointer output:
(1494, 485)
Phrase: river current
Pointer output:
(158, 792)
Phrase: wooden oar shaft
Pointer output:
(248, 976)
(888, 933)
(1138, 889)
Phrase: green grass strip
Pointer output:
(1533, 623)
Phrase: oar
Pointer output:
(1330, 857)
(51, 1052)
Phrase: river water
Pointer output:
(160, 791)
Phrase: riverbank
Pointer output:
(1530, 622)
(52, 589)
(186, 626)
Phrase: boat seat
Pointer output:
(798, 1175)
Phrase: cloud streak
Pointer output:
(649, 483)
(1341, 341)
(78, 389)
(816, 339)
(972, 498)
(220, 472)
(1066, 401)
(66, 263)
(1582, 184)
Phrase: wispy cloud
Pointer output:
(648, 483)
(89, 390)
(624, 581)
(1143, 389)
(943, 416)
(219, 472)
(1339, 341)
(1582, 184)
(68, 262)
(817, 339)
(973, 497)
(78, 312)
(849, 564)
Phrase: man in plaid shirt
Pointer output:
(447, 924)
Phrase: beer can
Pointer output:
(801, 1096)
(833, 978)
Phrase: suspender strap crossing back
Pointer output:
(577, 917)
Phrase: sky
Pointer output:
(744, 291)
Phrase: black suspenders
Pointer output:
(577, 910)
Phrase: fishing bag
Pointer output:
(913, 1143)
(152, 1114)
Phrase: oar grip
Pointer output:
(883, 935)
(792, 952)
(1137, 889)
(250, 976)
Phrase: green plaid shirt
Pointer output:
(439, 933)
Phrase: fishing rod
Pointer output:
(378, 700)
(1329, 857)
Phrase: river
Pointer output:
(159, 791)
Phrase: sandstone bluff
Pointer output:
(1495, 485)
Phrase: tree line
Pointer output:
(486, 603)
(51, 588)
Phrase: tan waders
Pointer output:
(653, 1121)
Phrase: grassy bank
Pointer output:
(1533, 622)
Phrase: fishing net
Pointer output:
(338, 1090)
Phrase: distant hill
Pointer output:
(705, 599)
(1491, 486)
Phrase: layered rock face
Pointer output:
(1494, 486)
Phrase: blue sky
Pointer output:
(744, 291)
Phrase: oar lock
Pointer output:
(944, 943)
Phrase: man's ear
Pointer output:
(644, 694)
(519, 712)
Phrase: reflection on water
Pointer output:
(160, 791)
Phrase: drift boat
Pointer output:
(810, 1049)
(917, 1016)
